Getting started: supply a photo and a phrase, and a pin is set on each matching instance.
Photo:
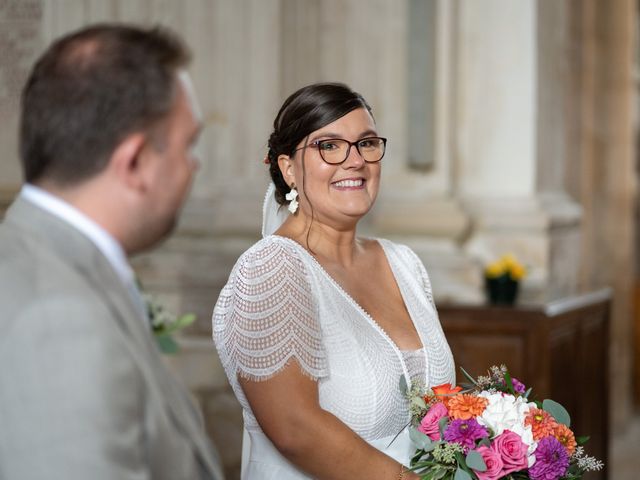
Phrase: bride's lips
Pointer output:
(349, 184)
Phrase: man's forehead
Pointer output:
(185, 80)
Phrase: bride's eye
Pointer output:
(328, 146)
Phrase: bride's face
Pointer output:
(339, 194)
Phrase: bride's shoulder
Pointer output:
(387, 245)
(271, 248)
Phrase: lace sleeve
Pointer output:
(267, 315)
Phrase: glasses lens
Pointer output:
(371, 149)
(333, 151)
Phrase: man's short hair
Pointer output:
(91, 89)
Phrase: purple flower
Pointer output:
(552, 460)
(465, 432)
(518, 386)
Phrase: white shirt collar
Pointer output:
(108, 245)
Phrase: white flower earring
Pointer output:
(292, 196)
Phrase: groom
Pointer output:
(108, 124)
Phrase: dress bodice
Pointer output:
(280, 304)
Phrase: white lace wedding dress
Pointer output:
(280, 304)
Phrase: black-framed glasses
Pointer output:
(336, 150)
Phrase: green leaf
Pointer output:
(474, 460)
(420, 440)
(509, 383)
(442, 424)
(181, 322)
(582, 439)
(419, 402)
(404, 388)
(462, 475)
(469, 377)
(527, 393)
(439, 474)
(557, 411)
(485, 441)
(167, 344)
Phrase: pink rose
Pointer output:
(429, 424)
(512, 450)
(493, 462)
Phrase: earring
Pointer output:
(292, 197)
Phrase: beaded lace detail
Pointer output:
(280, 304)
(414, 360)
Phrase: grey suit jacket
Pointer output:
(84, 393)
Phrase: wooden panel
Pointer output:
(558, 349)
(475, 352)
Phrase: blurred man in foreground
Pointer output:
(108, 123)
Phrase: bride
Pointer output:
(316, 325)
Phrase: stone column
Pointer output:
(510, 139)
(20, 42)
(604, 163)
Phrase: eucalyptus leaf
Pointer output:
(419, 402)
(420, 440)
(167, 344)
(485, 441)
(462, 475)
(439, 474)
(582, 439)
(404, 388)
(442, 423)
(474, 460)
(557, 411)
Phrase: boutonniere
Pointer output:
(164, 323)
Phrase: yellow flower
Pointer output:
(509, 261)
(494, 270)
(518, 272)
(506, 265)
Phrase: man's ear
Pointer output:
(127, 161)
(287, 168)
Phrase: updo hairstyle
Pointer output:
(305, 111)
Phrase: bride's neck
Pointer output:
(324, 242)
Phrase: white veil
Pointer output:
(273, 214)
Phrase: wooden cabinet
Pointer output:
(559, 348)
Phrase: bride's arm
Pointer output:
(287, 409)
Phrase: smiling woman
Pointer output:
(317, 326)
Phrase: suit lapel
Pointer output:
(79, 252)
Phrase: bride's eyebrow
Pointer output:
(366, 133)
(325, 135)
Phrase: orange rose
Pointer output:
(445, 391)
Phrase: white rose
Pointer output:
(505, 412)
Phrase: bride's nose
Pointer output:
(354, 159)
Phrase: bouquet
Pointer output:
(491, 430)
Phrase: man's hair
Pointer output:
(91, 89)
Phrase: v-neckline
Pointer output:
(361, 309)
